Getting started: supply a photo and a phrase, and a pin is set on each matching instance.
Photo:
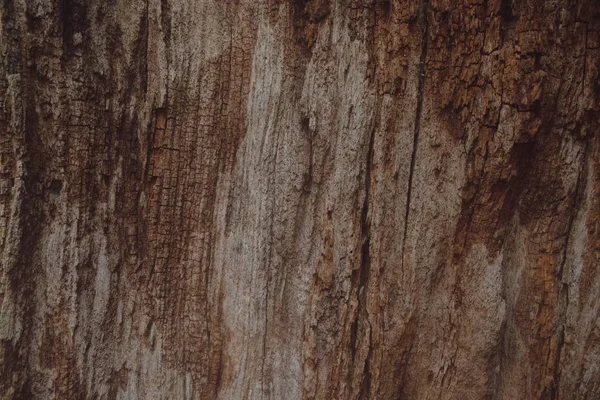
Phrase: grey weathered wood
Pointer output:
(315, 199)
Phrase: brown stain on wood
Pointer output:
(107, 173)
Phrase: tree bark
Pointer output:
(319, 199)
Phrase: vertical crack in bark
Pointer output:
(363, 276)
(147, 40)
(575, 206)
(420, 88)
(269, 262)
(585, 53)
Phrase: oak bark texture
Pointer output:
(321, 199)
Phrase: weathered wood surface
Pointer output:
(300, 199)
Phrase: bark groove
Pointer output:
(323, 199)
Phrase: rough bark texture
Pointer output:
(374, 199)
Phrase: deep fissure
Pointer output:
(418, 112)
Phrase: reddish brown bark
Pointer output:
(300, 199)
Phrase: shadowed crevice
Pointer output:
(365, 267)
(421, 84)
